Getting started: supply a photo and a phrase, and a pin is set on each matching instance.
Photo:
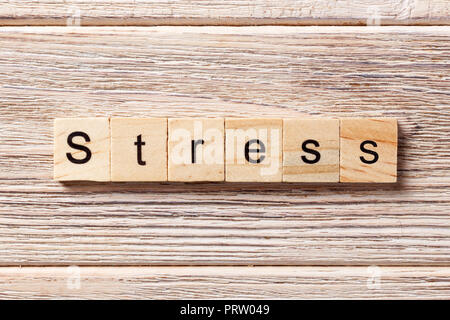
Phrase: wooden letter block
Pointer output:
(81, 149)
(368, 150)
(196, 150)
(138, 149)
(311, 150)
(253, 150)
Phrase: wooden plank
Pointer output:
(224, 12)
(371, 282)
(224, 72)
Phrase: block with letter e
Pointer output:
(196, 149)
(253, 149)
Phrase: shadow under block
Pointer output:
(196, 149)
(138, 149)
(368, 150)
(253, 150)
(81, 149)
(311, 150)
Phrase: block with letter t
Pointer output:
(139, 149)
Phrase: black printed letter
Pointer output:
(139, 143)
(262, 149)
(194, 144)
(363, 149)
(78, 147)
(311, 151)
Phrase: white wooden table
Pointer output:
(224, 240)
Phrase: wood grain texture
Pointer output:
(224, 72)
(225, 282)
(224, 12)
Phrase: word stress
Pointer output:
(231, 149)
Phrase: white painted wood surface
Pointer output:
(224, 12)
(221, 71)
(224, 282)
